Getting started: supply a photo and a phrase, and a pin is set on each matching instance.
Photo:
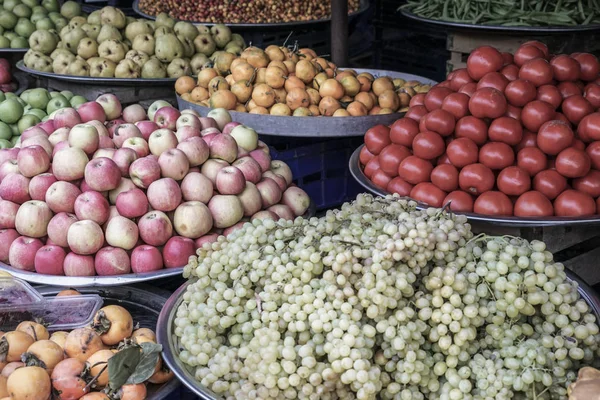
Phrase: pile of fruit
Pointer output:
(6, 78)
(19, 19)
(105, 190)
(378, 300)
(509, 135)
(244, 11)
(19, 113)
(283, 81)
(108, 44)
(86, 363)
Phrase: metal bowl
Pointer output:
(170, 343)
(144, 304)
(361, 178)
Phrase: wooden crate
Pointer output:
(460, 44)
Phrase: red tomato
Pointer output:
(532, 160)
(592, 94)
(415, 170)
(428, 193)
(403, 131)
(487, 103)
(576, 107)
(456, 104)
(537, 71)
(568, 89)
(371, 167)
(513, 181)
(445, 176)
(377, 138)
(493, 203)
(435, 97)
(510, 72)
(428, 145)
(483, 60)
(459, 201)
(443, 159)
(506, 130)
(462, 151)
(380, 179)
(400, 186)
(461, 77)
(520, 92)
(533, 204)
(573, 163)
(494, 80)
(565, 68)
(526, 53)
(473, 128)
(550, 94)
(572, 203)
(578, 144)
(417, 100)
(391, 157)
(416, 113)
(535, 114)
(589, 184)
(440, 121)
(422, 126)
(593, 150)
(554, 136)
(561, 117)
(496, 155)
(444, 84)
(539, 45)
(507, 57)
(529, 140)
(550, 183)
(468, 88)
(590, 68)
(365, 155)
(476, 179)
(589, 127)
(513, 112)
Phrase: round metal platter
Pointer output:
(98, 81)
(88, 281)
(358, 174)
(364, 5)
(144, 306)
(500, 28)
(8, 50)
(170, 343)
(314, 126)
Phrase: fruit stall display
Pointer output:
(508, 135)
(377, 300)
(298, 82)
(107, 44)
(105, 190)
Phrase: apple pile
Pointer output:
(105, 190)
(293, 82)
(108, 44)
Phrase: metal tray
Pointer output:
(165, 336)
(144, 304)
(10, 50)
(357, 173)
(88, 80)
(88, 281)
(314, 126)
(498, 28)
(364, 6)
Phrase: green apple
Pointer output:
(4, 42)
(11, 110)
(2, 96)
(20, 100)
(68, 94)
(56, 103)
(51, 5)
(39, 98)
(5, 131)
(5, 144)
(38, 113)
(11, 4)
(10, 35)
(38, 9)
(27, 121)
(32, 3)
(10, 95)
(54, 94)
(8, 19)
(44, 24)
(76, 101)
(14, 140)
(24, 27)
(70, 9)
(25, 95)
(22, 11)
(1, 30)
(26, 108)
(15, 129)
(19, 43)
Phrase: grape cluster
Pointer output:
(380, 300)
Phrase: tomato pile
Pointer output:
(508, 135)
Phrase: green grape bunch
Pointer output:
(379, 300)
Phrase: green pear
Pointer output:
(44, 24)
(186, 29)
(137, 28)
(113, 16)
(10, 35)
(112, 50)
(108, 32)
(79, 67)
(138, 57)
(92, 31)
(51, 5)
(87, 48)
(237, 38)
(61, 63)
(162, 30)
(18, 43)
(35, 17)
(179, 67)
(4, 42)
(22, 11)
(168, 48)
(221, 34)
(59, 52)
(154, 69)
(72, 39)
(8, 20)
(77, 21)
(10, 4)
(54, 16)
(29, 56)
(129, 20)
(223, 62)
(60, 23)
(44, 64)
(202, 29)
(233, 49)
(24, 28)
(94, 18)
(70, 9)
(127, 69)
(205, 44)
(101, 67)
(188, 46)
(144, 42)
(43, 41)
(163, 19)
(197, 62)
(33, 4)
(5, 131)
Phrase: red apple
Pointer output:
(234, 228)
(132, 203)
(91, 111)
(223, 147)
(40, 141)
(69, 164)
(101, 129)
(124, 185)
(102, 174)
(124, 157)
(146, 258)
(146, 128)
(59, 146)
(192, 219)
(296, 199)
(207, 122)
(84, 137)
(282, 211)
(123, 132)
(196, 150)
(134, 113)
(32, 219)
(9, 154)
(21, 254)
(144, 171)
(32, 161)
(164, 194)
(226, 210)
(230, 180)
(92, 205)
(59, 226)
(79, 265)
(33, 131)
(229, 127)
(263, 159)
(211, 168)
(264, 214)
(8, 167)
(177, 251)
(59, 135)
(206, 239)
(173, 164)
(155, 228)
(8, 214)
(246, 137)
(196, 187)
(15, 188)
(66, 117)
(112, 125)
(188, 120)
(221, 117)
(279, 180)
(111, 105)
(47, 125)
(250, 199)
(104, 152)
(186, 132)
(250, 168)
(112, 261)
(269, 192)
(85, 237)
(39, 185)
(209, 131)
(166, 117)
(7, 237)
(49, 260)
(139, 145)
(162, 140)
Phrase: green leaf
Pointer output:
(122, 365)
(145, 368)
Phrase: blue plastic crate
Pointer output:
(319, 166)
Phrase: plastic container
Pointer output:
(14, 291)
